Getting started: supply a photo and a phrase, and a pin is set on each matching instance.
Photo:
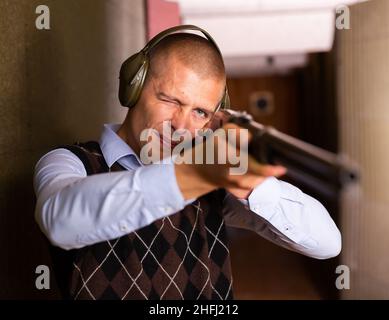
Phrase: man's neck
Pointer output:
(127, 137)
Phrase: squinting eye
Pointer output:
(166, 101)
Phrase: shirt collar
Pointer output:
(115, 148)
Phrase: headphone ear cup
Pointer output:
(132, 77)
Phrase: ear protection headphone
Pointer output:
(134, 70)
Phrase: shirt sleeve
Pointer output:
(76, 210)
(283, 214)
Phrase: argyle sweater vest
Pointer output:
(181, 256)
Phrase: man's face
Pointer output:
(176, 95)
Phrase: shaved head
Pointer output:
(184, 85)
(190, 50)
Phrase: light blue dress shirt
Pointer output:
(75, 210)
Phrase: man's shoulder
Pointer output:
(89, 153)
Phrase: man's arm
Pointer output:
(75, 210)
(274, 209)
(283, 214)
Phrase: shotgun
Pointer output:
(307, 165)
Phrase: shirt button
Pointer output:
(123, 228)
(288, 228)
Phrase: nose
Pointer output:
(181, 119)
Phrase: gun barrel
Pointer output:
(306, 163)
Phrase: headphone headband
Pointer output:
(162, 35)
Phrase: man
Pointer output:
(157, 231)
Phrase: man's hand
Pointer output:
(195, 180)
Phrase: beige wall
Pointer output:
(56, 86)
(363, 97)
